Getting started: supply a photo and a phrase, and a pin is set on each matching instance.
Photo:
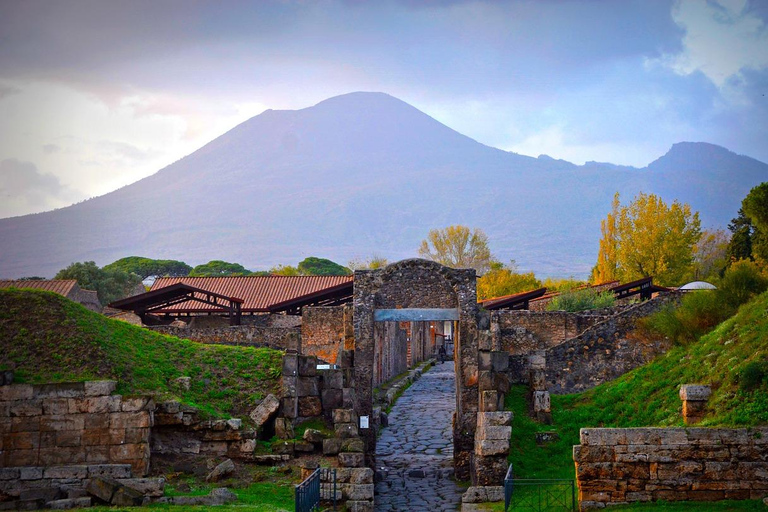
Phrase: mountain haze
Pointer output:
(359, 174)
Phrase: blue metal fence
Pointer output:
(320, 485)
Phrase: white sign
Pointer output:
(364, 422)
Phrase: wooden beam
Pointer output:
(414, 315)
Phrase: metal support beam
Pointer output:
(414, 315)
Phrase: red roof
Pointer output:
(61, 286)
(259, 293)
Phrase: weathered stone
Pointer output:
(359, 506)
(541, 401)
(115, 471)
(66, 472)
(489, 401)
(127, 497)
(102, 488)
(147, 486)
(307, 366)
(304, 446)
(487, 448)
(284, 428)
(500, 418)
(332, 399)
(265, 410)
(344, 416)
(345, 430)
(308, 386)
(357, 492)
(476, 494)
(283, 448)
(313, 436)
(332, 379)
(310, 406)
(30, 473)
(695, 392)
(354, 444)
(332, 446)
(223, 470)
(67, 504)
(351, 460)
(16, 392)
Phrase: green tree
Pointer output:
(505, 280)
(147, 267)
(458, 247)
(313, 266)
(652, 239)
(742, 232)
(284, 270)
(110, 285)
(217, 268)
(755, 206)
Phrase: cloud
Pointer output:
(7, 90)
(722, 38)
(50, 149)
(23, 188)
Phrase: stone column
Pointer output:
(540, 401)
(694, 397)
(492, 438)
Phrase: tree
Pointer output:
(607, 269)
(651, 239)
(110, 285)
(709, 254)
(284, 270)
(755, 206)
(313, 266)
(458, 247)
(217, 268)
(147, 267)
(742, 232)
(505, 280)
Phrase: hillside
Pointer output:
(648, 396)
(48, 338)
(363, 174)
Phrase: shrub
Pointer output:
(582, 300)
(699, 312)
(741, 282)
(753, 375)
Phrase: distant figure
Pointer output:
(442, 353)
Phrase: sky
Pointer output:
(95, 95)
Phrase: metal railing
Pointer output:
(320, 485)
(538, 495)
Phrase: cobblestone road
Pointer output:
(414, 454)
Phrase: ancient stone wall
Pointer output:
(616, 466)
(279, 338)
(74, 423)
(322, 331)
(525, 332)
(605, 351)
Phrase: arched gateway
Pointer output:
(417, 290)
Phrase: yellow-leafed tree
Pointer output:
(458, 247)
(648, 238)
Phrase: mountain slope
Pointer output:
(359, 174)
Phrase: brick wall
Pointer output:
(280, 338)
(616, 466)
(77, 423)
(322, 331)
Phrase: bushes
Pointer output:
(753, 376)
(700, 311)
(582, 300)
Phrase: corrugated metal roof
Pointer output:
(61, 286)
(258, 293)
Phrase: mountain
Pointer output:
(359, 174)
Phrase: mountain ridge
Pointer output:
(359, 174)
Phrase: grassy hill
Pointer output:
(47, 338)
(648, 396)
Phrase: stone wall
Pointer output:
(322, 331)
(280, 338)
(75, 423)
(524, 332)
(616, 466)
(605, 351)
(311, 393)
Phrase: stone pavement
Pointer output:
(414, 454)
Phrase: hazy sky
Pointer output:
(97, 94)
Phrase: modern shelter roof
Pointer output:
(698, 285)
(61, 286)
(514, 301)
(260, 294)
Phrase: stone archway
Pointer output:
(424, 290)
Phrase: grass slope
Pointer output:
(48, 338)
(648, 396)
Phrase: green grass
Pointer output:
(648, 396)
(47, 338)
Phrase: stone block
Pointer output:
(16, 392)
(289, 407)
(488, 448)
(494, 419)
(170, 407)
(142, 403)
(290, 365)
(21, 441)
(541, 401)
(344, 416)
(102, 488)
(354, 444)
(127, 497)
(490, 433)
(312, 435)
(26, 408)
(484, 360)
(307, 366)
(284, 428)
(538, 380)
(359, 506)
(332, 446)
(69, 503)
(283, 448)
(310, 406)
(63, 390)
(308, 386)
(61, 422)
(10, 473)
(537, 362)
(346, 430)
(332, 399)
(25, 424)
(499, 361)
(43, 494)
(68, 438)
(123, 420)
(348, 400)
(55, 406)
(223, 470)
(30, 473)
(265, 410)
(304, 447)
(695, 392)
(99, 387)
(351, 460)
(333, 379)
(489, 401)
(357, 492)
(479, 494)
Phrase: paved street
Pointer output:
(414, 455)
